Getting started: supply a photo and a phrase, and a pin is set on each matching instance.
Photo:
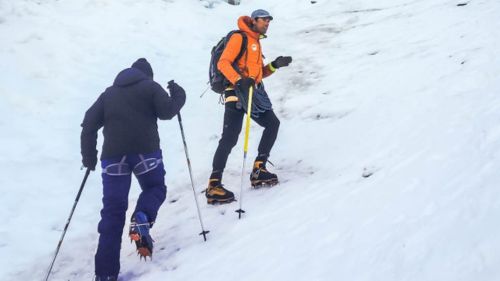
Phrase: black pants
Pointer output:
(233, 122)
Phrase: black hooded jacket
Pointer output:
(128, 111)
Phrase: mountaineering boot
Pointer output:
(261, 176)
(217, 194)
(105, 278)
(139, 232)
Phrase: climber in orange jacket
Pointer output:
(251, 63)
(247, 72)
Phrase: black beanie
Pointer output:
(143, 65)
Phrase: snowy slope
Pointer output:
(388, 151)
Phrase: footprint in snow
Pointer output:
(369, 171)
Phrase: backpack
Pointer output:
(218, 81)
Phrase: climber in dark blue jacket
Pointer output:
(128, 112)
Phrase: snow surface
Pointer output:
(388, 153)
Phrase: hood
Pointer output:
(143, 65)
(129, 76)
(244, 23)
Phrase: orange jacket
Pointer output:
(251, 63)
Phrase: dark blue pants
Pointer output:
(116, 187)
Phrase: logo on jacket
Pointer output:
(254, 47)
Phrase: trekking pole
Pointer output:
(67, 223)
(245, 148)
(208, 87)
(203, 231)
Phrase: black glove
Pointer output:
(242, 87)
(281, 61)
(89, 162)
(175, 89)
